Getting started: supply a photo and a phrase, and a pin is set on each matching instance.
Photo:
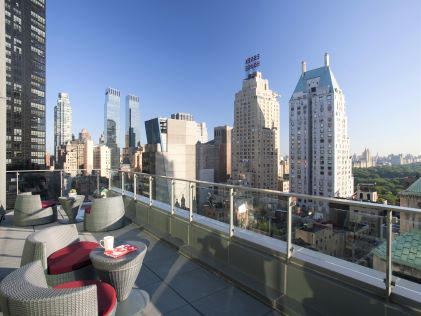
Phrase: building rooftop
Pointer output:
(414, 189)
(327, 79)
(406, 249)
(176, 284)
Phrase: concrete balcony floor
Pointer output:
(176, 284)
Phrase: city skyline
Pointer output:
(164, 69)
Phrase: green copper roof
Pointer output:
(327, 79)
(406, 249)
(413, 189)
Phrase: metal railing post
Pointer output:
(231, 232)
(135, 186)
(61, 182)
(389, 267)
(97, 182)
(17, 183)
(289, 229)
(150, 191)
(191, 202)
(122, 183)
(172, 196)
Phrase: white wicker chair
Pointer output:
(105, 214)
(41, 244)
(24, 292)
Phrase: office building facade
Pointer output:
(171, 151)
(320, 160)
(255, 136)
(132, 121)
(25, 84)
(62, 121)
(214, 157)
(112, 124)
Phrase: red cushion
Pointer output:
(105, 293)
(71, 257)
(48, 203)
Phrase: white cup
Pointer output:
(107, 243)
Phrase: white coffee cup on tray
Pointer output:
(107, 243)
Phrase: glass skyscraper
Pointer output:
(132, 121)
(112, 124)
(62, 121)
(25, 88)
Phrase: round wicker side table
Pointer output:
(121, 273)
(71, 206)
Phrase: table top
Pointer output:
(99, 258)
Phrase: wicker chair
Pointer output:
(40, 245)
(29, 211)
(24, 292)
(105, 214)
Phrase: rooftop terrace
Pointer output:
(249, 261)
(176, 284)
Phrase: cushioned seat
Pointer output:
(105, 293)
(71, 257)
(48, 203)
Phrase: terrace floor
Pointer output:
(176, 284)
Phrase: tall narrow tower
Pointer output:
(132, 121)
(319, 145)
(112, 124)
(255, 136)
(62, 121)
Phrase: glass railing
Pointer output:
(367, 234)
(51, 184)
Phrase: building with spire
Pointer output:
(320, 160)
(255, 135)
(62, 122)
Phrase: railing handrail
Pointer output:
(371, 205)
(48, 170)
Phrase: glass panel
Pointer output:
(116, 179)
(262, 213)
(181, 195)
(45, 183)
(142, 183)
(351, 233)
(161, 190)
(213, 202)
(128, 181)
(11, 184)
(406, 245)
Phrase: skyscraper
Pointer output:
(320, 160)
(112, 124)
(62, 121)
(132, 121)
(255, 137)
(25, 90)
(3, 120)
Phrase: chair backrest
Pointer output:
(41, 244)
(26, 203)
(25, 292)
(114, 205)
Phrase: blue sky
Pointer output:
(188, 56)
